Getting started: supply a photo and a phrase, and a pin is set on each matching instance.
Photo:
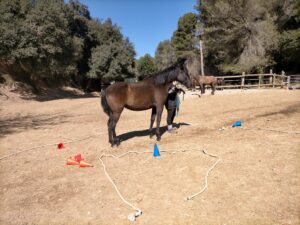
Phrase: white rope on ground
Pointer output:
(46, 145)
(138, 211)
(133, 216)
(280, 131)
(254, 129)
(259, 129)
(206, 176)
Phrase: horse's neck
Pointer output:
(171, 76)
(165, 77)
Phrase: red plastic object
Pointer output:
(60, 146)
(78, 158)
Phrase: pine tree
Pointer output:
(165, 55)
(145, 66)
(184, 40)
(239, 34)
(113, 58)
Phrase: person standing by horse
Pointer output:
(171, 105)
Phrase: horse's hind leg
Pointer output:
(114, 120)
(110, 138)
(153, 115)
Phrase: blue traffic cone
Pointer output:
(156, 151)
(237, 124)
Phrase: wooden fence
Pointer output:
(294, 81)
(270, 80)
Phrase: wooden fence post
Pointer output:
(271, 80)
(243, 80)
(282, 78)
(259, 80)
(288, 82)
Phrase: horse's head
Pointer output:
(220, 81)
(183, 75)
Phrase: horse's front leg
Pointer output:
(201, 88)
(153, 115)
(213, 88)
(158, 119)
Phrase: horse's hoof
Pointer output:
(115, 145)
(151, 136)
(158, 138)
(117, 142)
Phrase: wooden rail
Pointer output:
(258, 80)
(294, 81)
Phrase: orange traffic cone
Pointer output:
(71, 161)
(85, 164)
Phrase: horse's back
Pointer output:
(140, 96)
(207, 79)
(117, 89)
(134, 96)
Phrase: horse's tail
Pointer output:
(104, 103)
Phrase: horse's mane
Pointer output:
(167, 74)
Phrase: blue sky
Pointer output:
(144, 22)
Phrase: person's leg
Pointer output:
(170, 118)
(173, 115)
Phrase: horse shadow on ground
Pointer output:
(146, 132)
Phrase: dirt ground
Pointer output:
(256, 182)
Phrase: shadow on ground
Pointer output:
(56, 94)
(142, 133)
(26, 92)
(21, 123)
(288, 111)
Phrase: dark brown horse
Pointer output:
(150, 93)
(206, 80)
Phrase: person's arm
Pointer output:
(172, 89)
(180, 90)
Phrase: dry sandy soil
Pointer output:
(256, 182)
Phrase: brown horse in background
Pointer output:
(150, 93)
(206, 80)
